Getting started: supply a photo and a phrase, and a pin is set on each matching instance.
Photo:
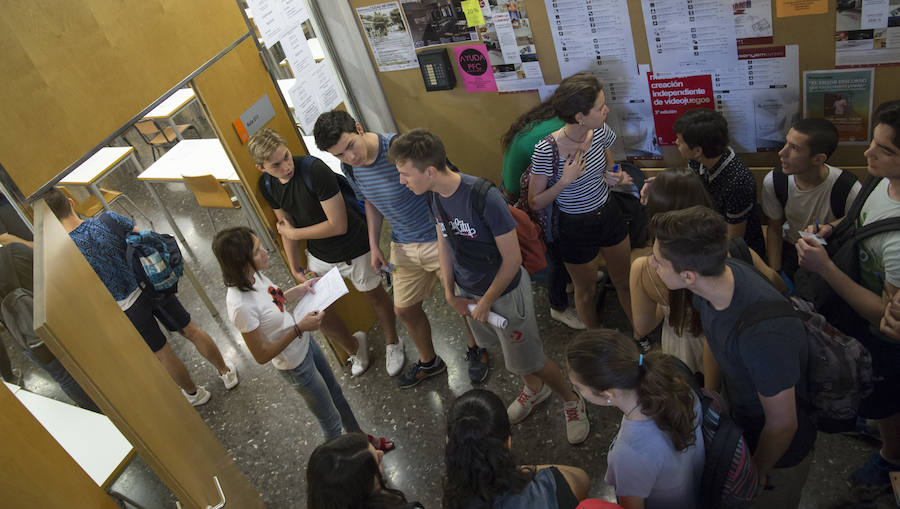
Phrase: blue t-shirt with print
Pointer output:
(379, 183)
(104, 249)
(465, 223)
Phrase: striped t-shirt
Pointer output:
(380, 184)
(589, 191)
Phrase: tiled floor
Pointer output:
(269, 432)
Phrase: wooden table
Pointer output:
(166, 110)
(103, 161)
(90, 438)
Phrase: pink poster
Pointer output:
(475, 68)
(673, 96)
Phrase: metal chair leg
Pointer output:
(213, 223)
(139, 211)
(122, 499)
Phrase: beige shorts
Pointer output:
(359, 271)
(416, 270)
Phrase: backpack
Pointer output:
(730, 478)
(349, 195)
(838, 370)
(633, 211)
(843, 248)
(839, 191)
(17, 305)
(547, 218)
(534, 253)
(154, 257)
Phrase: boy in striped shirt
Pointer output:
(415, 265)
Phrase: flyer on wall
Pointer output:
(867, 33)
(510, 45)
(387, 33)
(474, 68)
(843, 96)
(707, 27)
(673, 96)
(753, 22)
(277, 18)
(435, 22)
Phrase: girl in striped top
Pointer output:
(589, 223)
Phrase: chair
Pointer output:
(161, 137)
(91, 206)
(210, 193)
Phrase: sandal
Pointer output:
(381, 443)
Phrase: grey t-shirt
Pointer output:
(642, 462)
(474, 276)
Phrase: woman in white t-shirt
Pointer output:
(578, 185)
(657, 458)
(258, 309)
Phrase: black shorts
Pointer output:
(885, 398)
(582, 235)
(143, 314)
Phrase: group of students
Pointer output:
(450, 226)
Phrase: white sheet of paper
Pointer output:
(807, 235)
(328, 288)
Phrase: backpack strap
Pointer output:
(852, 215)
(739, 250)
(881, 226)
(479, 197)
(780, 182)
(432, 198)
(764, 310)
(840, 191)
(305, 165)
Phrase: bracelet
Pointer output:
(297, 330)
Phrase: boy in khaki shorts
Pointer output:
(415, 264)
(482, 268)
(335, 235)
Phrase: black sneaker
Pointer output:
(416, 373)
(477, 358)
(644, 345)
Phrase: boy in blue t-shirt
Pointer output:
(415, 266)
(482, 267)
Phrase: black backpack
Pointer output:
(633, 211)
(839, 192)
(843, 248)
(347, 191)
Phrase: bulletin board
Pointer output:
(471, 123)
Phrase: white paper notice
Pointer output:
(753, 21)
(506, 37)
(328, 288)
(687, 36)
(631, 118)
(276, 18)
(874, 14)
(389, 40)
(493, 318)
(592, 35)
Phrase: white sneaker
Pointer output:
(230, 379)
(394, 359)
(198, 398)
(578, 427)
(568, 317)
(359, 362)
(520, 408)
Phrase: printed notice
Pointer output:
(594, 36)
(753, 21)
(329, 288)
(787, 8)
(673, 96)
(510, 45)
(867, 33)
(475, 68)
(686, 36)
(435, 22)
(276, 18)
(631, 118)
(388, 36)
(843, 96)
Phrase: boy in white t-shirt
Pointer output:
(804, 190)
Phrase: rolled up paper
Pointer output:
(493, 318)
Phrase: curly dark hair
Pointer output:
(330, 126)
(704, 128)
(605, 359)
(479, 464)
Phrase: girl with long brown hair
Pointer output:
(657, 458)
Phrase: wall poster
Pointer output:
(387, 33)
(843, 96)
(867, 33)
(436, 22)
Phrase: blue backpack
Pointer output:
(154, 257)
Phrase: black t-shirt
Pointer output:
(767, 358)
(304, 207)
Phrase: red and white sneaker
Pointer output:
(520, 408)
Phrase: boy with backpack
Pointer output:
(311, 205)
(861, 274)
(483, 275)
(103, 243)
(804, 190)
(764, 367)
(414, 264)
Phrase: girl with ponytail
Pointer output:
(481, 472)
(656, 459)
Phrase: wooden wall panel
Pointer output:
(471, 124)
(83, 326)
(74, 72)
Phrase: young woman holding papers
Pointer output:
(256, 306)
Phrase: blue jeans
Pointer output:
(68, 384)
(314, 381)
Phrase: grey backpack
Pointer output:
(17, 310)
